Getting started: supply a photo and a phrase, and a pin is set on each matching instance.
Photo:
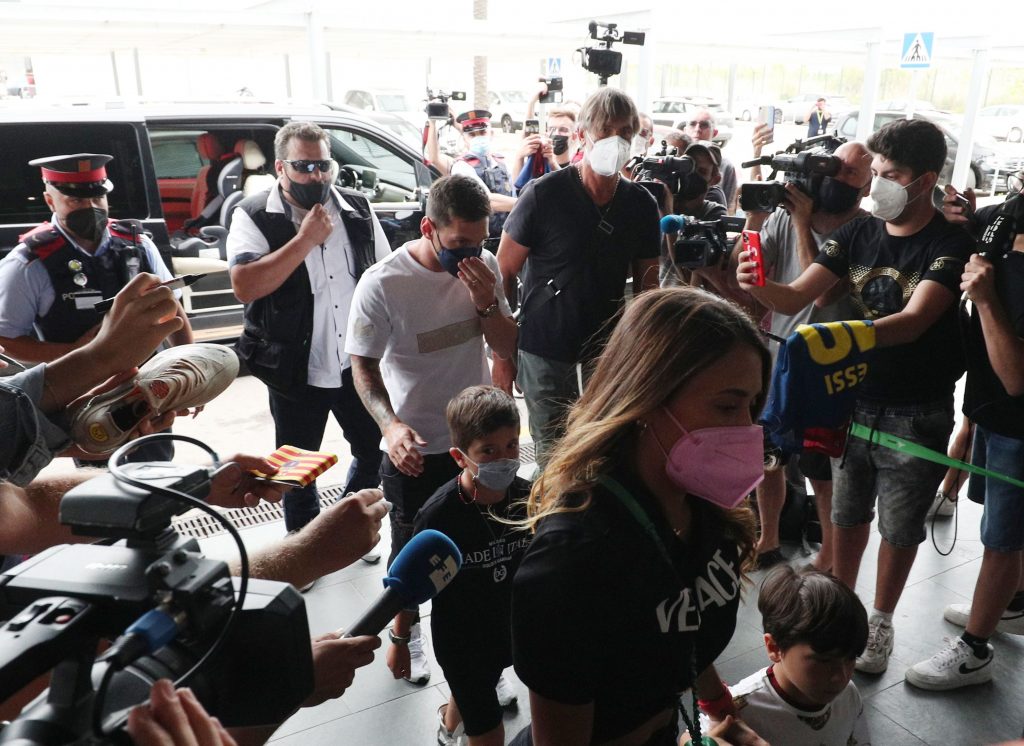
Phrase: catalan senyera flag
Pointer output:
(298, 466)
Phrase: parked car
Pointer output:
(160, 156)
(747, 111)
(796, 108)
(1003, 122)
(673, 111)
(990, 163)
(508, 109)
(903, 104)
(385, 101)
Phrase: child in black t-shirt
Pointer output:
(470, 620)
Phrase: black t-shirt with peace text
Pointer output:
(470, 619)
(884, 272)
(598, 616)
(557, 221)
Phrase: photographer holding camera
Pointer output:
(904, 267)
(690, 198)
(791, 237)
(702, 127)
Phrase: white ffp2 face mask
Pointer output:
(889, 198)
(608, 155)
(638, 146)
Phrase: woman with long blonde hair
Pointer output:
(631, 585)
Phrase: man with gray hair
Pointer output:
(296, 252)
(580, 233)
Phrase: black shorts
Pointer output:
(476, 698)
(814, 465)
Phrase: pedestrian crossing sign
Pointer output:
(917, 50)
(554, 67)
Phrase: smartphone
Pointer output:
(752, 245)
(766, 115)
(531, 127)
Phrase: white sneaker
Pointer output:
(875, 658)
(447, 737)
(943, 505)
(507, 696)
(954, 666)
(419, 667)
(181, 377)
(1011, 623)
(372, 557)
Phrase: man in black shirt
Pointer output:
(904, 267)
(580, 232)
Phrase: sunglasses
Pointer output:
(308, 167)
(700, 125)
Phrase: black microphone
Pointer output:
(424, 567)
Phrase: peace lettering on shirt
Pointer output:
(719, 584)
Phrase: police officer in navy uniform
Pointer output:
(60, 269)
(479, 162)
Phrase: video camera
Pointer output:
(554, 94)
(437, 103)
(186, 623)
(805, 163)
(701, 243)
(663, 169)
(602, 60)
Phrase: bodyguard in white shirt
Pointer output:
(296, 253)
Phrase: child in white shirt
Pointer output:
(814, 629)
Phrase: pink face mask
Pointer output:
(718, 464)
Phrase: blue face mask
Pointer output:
(450, 258)
(480, 146)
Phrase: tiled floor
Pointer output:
(379, 711)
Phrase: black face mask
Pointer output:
(88, 222)
(836, 197)
(307, 195)
(559, 144)
(693, 185)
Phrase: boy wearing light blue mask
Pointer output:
(470, 621)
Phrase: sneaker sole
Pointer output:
(92, 426)
(872, 668)
(936, 685)
(959, 616)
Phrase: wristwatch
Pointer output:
(395, 639)
(486, 313)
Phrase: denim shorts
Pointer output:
(903, 485)
(1002, 523)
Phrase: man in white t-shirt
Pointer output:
(416, 334)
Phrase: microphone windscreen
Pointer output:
(672, 223)
(424, 567)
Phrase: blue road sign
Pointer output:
(917, 50)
